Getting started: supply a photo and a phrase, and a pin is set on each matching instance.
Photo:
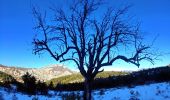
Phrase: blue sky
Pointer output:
(16, 30)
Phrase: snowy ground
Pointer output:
(159, 91)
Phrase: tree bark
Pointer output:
(88, 90)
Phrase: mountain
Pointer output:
(44, 73)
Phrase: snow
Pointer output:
(160, 91)
(157, 91)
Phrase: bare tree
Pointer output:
(89, 40)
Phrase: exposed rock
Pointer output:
(44, 73)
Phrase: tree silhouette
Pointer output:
(90, 40)
(51, 85)
(7, 80)
(29, 83)
(42, 88)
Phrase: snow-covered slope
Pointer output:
(157, 91)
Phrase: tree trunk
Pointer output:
(87, 91)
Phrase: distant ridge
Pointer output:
(44, 73)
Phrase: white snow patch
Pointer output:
(157, 91)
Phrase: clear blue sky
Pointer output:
(16, 30)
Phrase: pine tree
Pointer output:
(29, 83)
(42, 88)
(51, 85)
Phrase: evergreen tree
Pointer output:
(51, 85)
(29, 83)
(42, 88)
(7, 80)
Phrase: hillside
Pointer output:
(76, 78)
(114, 79)
(44, 73)
(4, 76)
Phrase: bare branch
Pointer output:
(91, 41)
